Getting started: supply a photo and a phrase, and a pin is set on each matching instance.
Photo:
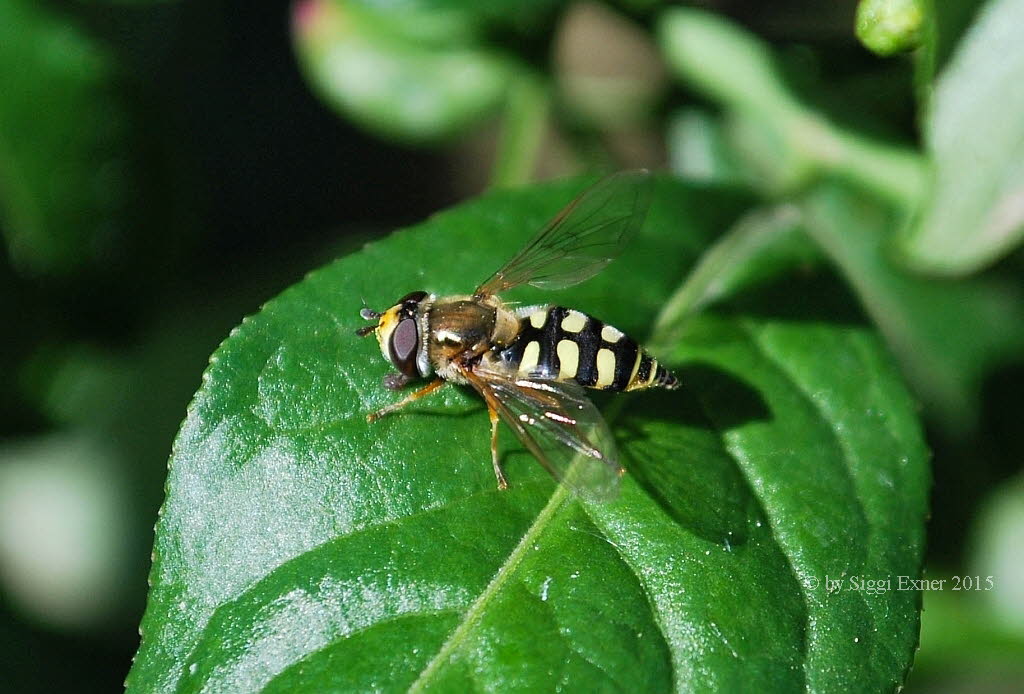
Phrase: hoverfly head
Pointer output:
(400, 331)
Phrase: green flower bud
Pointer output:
(887, 27)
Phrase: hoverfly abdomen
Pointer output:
(567, 345)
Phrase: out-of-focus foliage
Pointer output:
(975, 135)
(62, 181)
(945, 24)
(998, 538)
(416, 70)
(972, 629)
(914, 313)
(946, 334)
(52, 559)
(783, 144)
(408, 73)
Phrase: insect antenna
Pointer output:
(367, 313)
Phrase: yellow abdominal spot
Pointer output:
(574, 322)
(568, 358)
(611, 334)
(605, 368)
(530, 356)
(539, 318)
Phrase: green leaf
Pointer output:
(52, 559)
(946, 23)
(964, 638)
(438, 20)
(62, 156)
(416, 77)
(997, 538)
(761, 246)
(302, 549)
(975, 133)
(946, 334)
(698, 150)
(782, 144)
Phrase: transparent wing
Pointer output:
(560, 426)
(582, 239)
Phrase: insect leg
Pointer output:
(495, 458)
(412, 397)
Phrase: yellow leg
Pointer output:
(412, 397)
(495, 458)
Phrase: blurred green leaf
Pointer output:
(62, 157)
(698, 149)
(782, 145)
(411, 80)
(127, 3)
(998, 538)
(975, 133)
(301, 549)
(761, 246)
(472, 18)
(947, 21)
(961, 635)
(888, 27)
(726, 62)
(523, 128)
(64, 530)
(946, 334)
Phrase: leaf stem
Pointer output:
(522, 132)
(707, 281)
(892, 171)
(795, 143)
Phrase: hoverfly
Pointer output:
(531, 364)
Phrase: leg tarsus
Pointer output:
(495, 457)
(396, 381)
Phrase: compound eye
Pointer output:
(404, 343)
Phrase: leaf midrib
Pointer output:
(475, 612)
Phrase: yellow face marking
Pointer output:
(530, 356)
(573, 322)
(568, 358)
(605, 368)
(386, 325)
(610, 334)
(539, 318)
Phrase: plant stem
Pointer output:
(891, 171)
(522, 132)
(709, 278)
(738, 70)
